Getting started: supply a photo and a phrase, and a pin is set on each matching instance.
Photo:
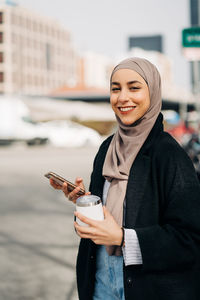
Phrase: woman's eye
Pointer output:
(134, 88)
(115, 89)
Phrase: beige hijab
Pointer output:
(128, 141)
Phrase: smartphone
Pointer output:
(60, 180)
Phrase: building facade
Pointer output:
(36, 53)
(149, 43)
(94, 70)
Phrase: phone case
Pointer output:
(60, 180)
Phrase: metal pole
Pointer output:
(195, 76)
(196, 87)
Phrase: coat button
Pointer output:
(92, 257)
(129, 281)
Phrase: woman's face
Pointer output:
(129, 95)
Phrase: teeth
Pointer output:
(126, 108)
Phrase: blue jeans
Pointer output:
(109, 283)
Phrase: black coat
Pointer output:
(163, 206)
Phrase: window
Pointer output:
(1, 17)
(1, 57)
(48, 56)
(1, 77)
(52, 32)
(41, 27)
(47, 30)
(1, 37)
(13, 18)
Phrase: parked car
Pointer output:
(16, 124)
(70, 134)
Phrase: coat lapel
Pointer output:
(139, 175)
(137, 182)
(97, 179)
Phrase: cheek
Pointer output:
(140, 97)
(145, 106)
(147, 102)
(143, 100)
(113, 100)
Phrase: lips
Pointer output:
(127, 109)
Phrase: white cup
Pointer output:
(91, 207)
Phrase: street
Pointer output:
(38, 245)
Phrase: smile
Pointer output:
(126, 109)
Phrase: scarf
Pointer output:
(128, 141)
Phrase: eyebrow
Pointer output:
(130, 82)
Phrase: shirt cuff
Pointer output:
(131, 251)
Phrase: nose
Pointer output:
(123, 96)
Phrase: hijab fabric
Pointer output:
(128, 141)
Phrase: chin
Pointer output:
(128, 121)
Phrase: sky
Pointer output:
(104, 26)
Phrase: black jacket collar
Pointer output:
(153, 135)
(97, 189)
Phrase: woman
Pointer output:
(147, 247)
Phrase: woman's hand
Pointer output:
(106, 232)
(72, 196)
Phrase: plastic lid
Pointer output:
(88, 200)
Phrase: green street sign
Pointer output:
(191, 37)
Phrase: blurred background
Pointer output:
(55, 62)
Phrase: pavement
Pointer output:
(38, 245)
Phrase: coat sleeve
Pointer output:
(174, 243)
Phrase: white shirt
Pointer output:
(131, 251)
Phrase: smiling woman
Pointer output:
(147, 246)
(129, 95)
